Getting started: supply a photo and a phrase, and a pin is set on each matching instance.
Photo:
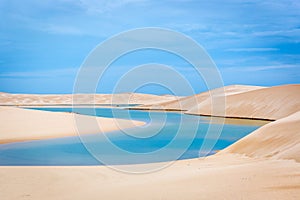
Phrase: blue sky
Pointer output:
(43, 43)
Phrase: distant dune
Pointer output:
(67, 99)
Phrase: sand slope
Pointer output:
(189, 102)
(23, 124)
(267, 103)
(279, 139)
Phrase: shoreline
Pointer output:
(64, 135)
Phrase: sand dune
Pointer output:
(267, 103)
(279, 139)
(241, 102)
(67, 99)
(185, 104)
(23, 124)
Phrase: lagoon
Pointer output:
(70, 151)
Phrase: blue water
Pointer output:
(71, 151)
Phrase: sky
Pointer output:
(44, 43)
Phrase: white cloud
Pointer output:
(289, 33)
(99, 7)
(252, 49)
(62, 29)
(187, 27)
(40, 73)
(263, 68)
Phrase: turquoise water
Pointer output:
(71, 151)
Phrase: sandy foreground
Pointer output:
(216, 177)
(263, 165)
